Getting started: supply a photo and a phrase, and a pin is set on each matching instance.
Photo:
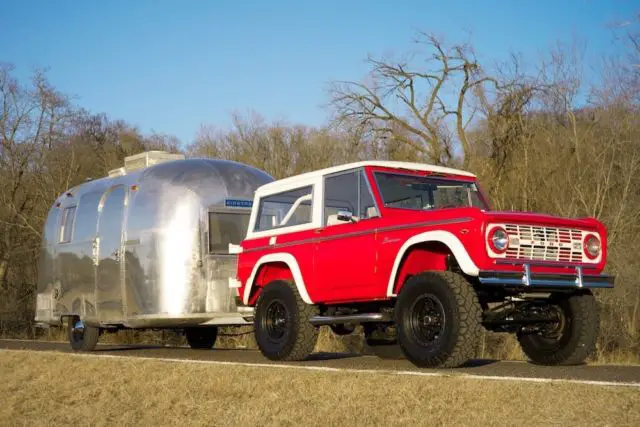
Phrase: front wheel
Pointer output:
(81, 336)
(282, 324)
(569, 340)
(438, 319)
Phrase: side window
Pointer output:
(86, 222)
(340, 194)
(66, 225)
(285, 209)
(348, 191)
(367, 205)
(225, 228)
(112, 211)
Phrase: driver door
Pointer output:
(345, 248)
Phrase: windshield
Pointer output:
(426, 193)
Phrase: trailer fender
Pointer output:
(448, 239)
(291, 262)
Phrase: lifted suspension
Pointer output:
(521, 316)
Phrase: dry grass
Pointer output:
(50, 389)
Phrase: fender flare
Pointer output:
(445, 237)
(291, 262)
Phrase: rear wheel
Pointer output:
(282, 324)
(438, 318)
(569, 340)
(201, 338)
(81, 336)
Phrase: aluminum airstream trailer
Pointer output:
(147, 247)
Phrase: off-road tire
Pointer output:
(201, 338)
(578, 338)
(87, 341)
(299, 335)
(383, 345)
(458, 340)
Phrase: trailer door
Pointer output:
(225, 226)
(109, 270)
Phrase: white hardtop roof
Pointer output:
(386, 164)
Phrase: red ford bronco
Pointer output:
(414, 254)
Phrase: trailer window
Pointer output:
(86, 222)
(66, 225)
(225, 228)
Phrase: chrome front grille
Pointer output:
(528, 242)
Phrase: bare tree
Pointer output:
(418, 98)
(32, 119)
(47, 145)
(278, 148)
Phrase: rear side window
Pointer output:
(225, 228)
(285, 209)
(66, 225)
(86, 222)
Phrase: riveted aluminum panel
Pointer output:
(164, 274)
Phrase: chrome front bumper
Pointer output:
(527, 279)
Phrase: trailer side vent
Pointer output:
(149, 158)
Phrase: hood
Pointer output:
(532, 218)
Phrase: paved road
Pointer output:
(491, 368)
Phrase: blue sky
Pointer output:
(171, 66)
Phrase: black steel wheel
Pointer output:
(438, 318)
(427, 320)
(275, 321)
(81, 336)
(203, 338)
(282, 324)
(571, 339)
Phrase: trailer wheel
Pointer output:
(282, 324)
(81, 336)
(570, 340)
(201, 338)
(438, 320)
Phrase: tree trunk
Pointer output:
(4, 271)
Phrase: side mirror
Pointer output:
(346, 216)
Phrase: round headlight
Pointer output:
(592, 246)
(499, 240)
